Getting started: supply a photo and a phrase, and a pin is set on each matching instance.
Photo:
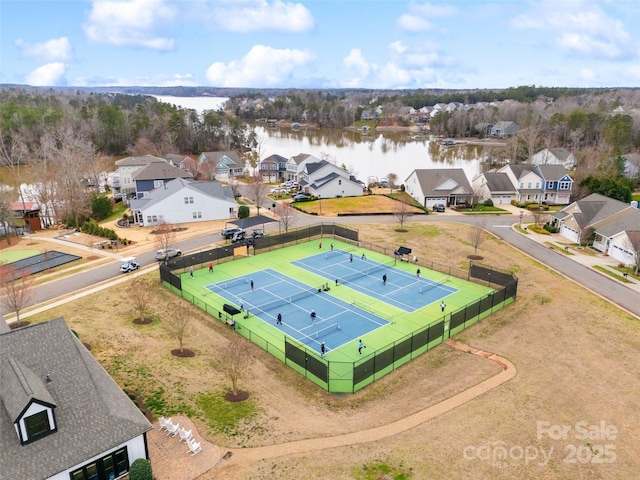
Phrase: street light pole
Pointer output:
(320, 201)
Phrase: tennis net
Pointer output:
(232, 283)
(434, 284)
(281, 301)
(378, 267)
(314, 336)
(378, 313)
(337, 252)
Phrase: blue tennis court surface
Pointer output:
(336, 321)
(402, 289)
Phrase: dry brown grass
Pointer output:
(367, 204)
(577, 358)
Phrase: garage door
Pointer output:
(570, 233)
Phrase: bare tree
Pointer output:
(632, 243)
(165, 235)
(257, 190)
(539, 217)
(16, 289)
(586, 235)
(6, 214)
(477, 236)
(392, 178)
(235, 360)
(402, 212)
(177, 323)
(287, 216)
(141, 297)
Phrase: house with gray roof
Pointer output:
(504, 129)
(594, 214)
(326, 180)
(62, 417)
(432, 186)
(127, 167)
(221, 164)
(631, 165)
(296, 164)
(554, 156)
(496, 186)
(183, 201)
(273, 168)
(155, 175)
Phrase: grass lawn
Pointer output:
(8, 256)
(366, 204)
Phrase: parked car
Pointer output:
(129, 264)
(167, 253)
(278, 190)
(258, 232)
(230, 231)
(439, 207)
(300, 197)
(238, 236)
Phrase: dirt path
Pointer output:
(240, 458)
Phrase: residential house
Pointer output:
(126, 168)
(155, 175)
(631, 165)
(504, 129)
(620, 238)
(182, 201)
(273, 168)
(592, 214)
(326, 180)
(62, 417)
(527, 180)
(554, 156)
(367, 115)
(496, 186)
(483, 129)
(296, 165)
(221, 164)
(449, 186)
(177, 160)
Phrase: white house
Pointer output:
(433, 186)
(554, 156)
(620, 237)
(183, 201)
(631, 165)
(62, 417)
(126, 169)
(297, 163)
(325, 180)
(527, 181)
(496, 186)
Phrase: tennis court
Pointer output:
(400, 288)
(267, 293)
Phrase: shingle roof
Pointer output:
(443, 181)
(160, 171)
(20, 386)
(499, 182)
(595, 208)
(633, 158)
(552, 172)
(93, 414)
(144, 160)
(213, 189)
(561, 154)
(627, 221)
(217, 156)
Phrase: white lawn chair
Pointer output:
(185, 434)
(164, 423)
(194, 447)
(173, 429)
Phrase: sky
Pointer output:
(375, 44)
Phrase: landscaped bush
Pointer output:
(92, 228)
(488, 203)
(550, 228)
(140, 470)
(243, 211)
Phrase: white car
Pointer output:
(278, 190)
(167, 253)
(129, 264)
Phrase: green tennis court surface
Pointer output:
(396, 319)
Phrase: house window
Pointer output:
(157, 183)
(549, 185)
(37, 425)
(339, 182)
(537, 184)
(188, 200)
(529, 185)
(197, 215)
(565, 185)
(521, 184)
(109, 467)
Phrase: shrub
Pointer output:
(243, 211)
(550, 228)
(140, 470)
(488, 203)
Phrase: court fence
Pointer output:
(349, 377)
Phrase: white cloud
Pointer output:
(587, 74)
(47, 75)
(581, 28)
(54, 49)
(260, 15)
(138, 23)
(418, 19)
(356, 60)
(414, 24)
(263, 66)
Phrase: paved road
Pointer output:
(498, 225)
